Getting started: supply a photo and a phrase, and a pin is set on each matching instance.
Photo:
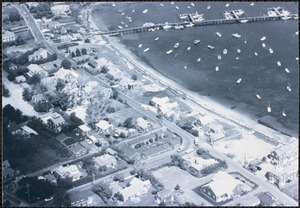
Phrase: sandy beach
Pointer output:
(193, 98)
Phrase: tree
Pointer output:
(115, 94)
(60, 85)
(66, 64)
(119, 196)
(35, 79)
(78, 53)
(84, 51)
(77, 121)
(42, 106)
(87, 40)
(73, 54)
(27, 94)
(14, 16)
(5, 91)
(128, 123)
(104, 69)
(177, 187)
(12, 75)
(110, 109)
(134, 77)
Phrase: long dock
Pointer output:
(195, 23)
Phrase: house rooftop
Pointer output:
(69, 141)
(77, 148)
(141, 122)
(12, 127)
(62, 137)
(103, 124)
(29, 130)
(266, 199)
(84, 128)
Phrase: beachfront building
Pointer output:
(222, 187)
(38, 55)
(284, 154)
(205, 120)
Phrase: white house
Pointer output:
(104, 126)
(20, 79)
(159, 102)
(38, 55)
(69, 171)
(60, 9)
(143, 125)
(36, 69)
(54, 121)
(106, 160)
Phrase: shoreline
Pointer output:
(192, 97)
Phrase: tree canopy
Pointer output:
(66, 64)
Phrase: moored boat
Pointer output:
(219, 57)
(196, 41)
(169, 51)
(271, 50)
(283, 113)
(156, 38)
(255, 53)
(239, 81)
(263, 38)
(287, 70)
(176, 45)
(145, 11)
(225, 51)
(140, 45)
(236, 35)
(217, 68)
(289, 88)
(218, 34)
(238, 51)
(258, 96)
(244, 21)
(278, 63)
(147, 49)
(188, 48)
(263, 45)
(199, 59)
(210, 47)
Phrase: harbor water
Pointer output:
(195, 69)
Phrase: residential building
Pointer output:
(111, 152)
(36, 69)
(196, 164)
(143, 125)
(105, 127)
(70, 142)
(159, 102)
(84, 129)
(8, 36)
(20, 79)
(106, 160)
(29, 130)
(38, 55)
(8, 172)
(54, 121)
(62, 137)
(128, 153)
(283, 174)
(131, 188)
(13, 128)
(81, 198)
(61, 9)
(121, 131)
(51, 178)
(38, 98)
(222, 187)
(266, 199)
(153, 151)
(284, 154)
(78, 150)
(167, 195)
(205, 120)
(71, 171)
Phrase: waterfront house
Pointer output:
(106, 160)
(205, 120)
(54, 121)
(38, 55)
(222, 187)
(8, 36)
(104, 126)
(159, 102)
(284, 154)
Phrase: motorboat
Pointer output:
(199, 59)
(271, 50)
(120, 27)
(210, 47)
(227, 5)
(177, 7)
(239, 81)
(156, 38)
(113, 5)
(147, 49)
(258, 96)
(219, 57)
(217, 68)
(190, 25)
(185, 67)
(238, 51)
(244, 21)
(236, 35)
(169, 51)
(176, 45)
(263, 38)
(255, 53)
(237, 58)
(263, 45)
(283, 113)
(208, 7)
(278, 63)
(287, 70)
(245, 41)
(289, 88)
(188, 48)
(192, 4)
(145, 11)
(161, 5)
(218, 34)
(269, 108)
(140, 45)
(225, 51)
(196, 41)
(177, 27)
(252, 4)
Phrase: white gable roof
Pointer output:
(160, 101)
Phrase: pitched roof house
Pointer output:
(38, 55)
(69, 171)
(104, 126)
(78, 150)
(13, 128)
(143, 125)
(106, 160)
(36, 69)
(284, 154)
(62, 137)
(54, 121)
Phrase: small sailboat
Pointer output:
(239, 81)
(258, 96)
(218, 34)
(263, 45)
(219, 57)
(188, 48)
(283, 113)
(263, 38)
(217, 68)
(199, 59)
(238, 51)
(147, 49)
(269, 108)
(140, 45)
(225, 51)
(278, 63)
(271, 50)
(287, 70)
(169, 51)
(156, 38)
(176, 45)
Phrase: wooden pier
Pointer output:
(200, 23)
